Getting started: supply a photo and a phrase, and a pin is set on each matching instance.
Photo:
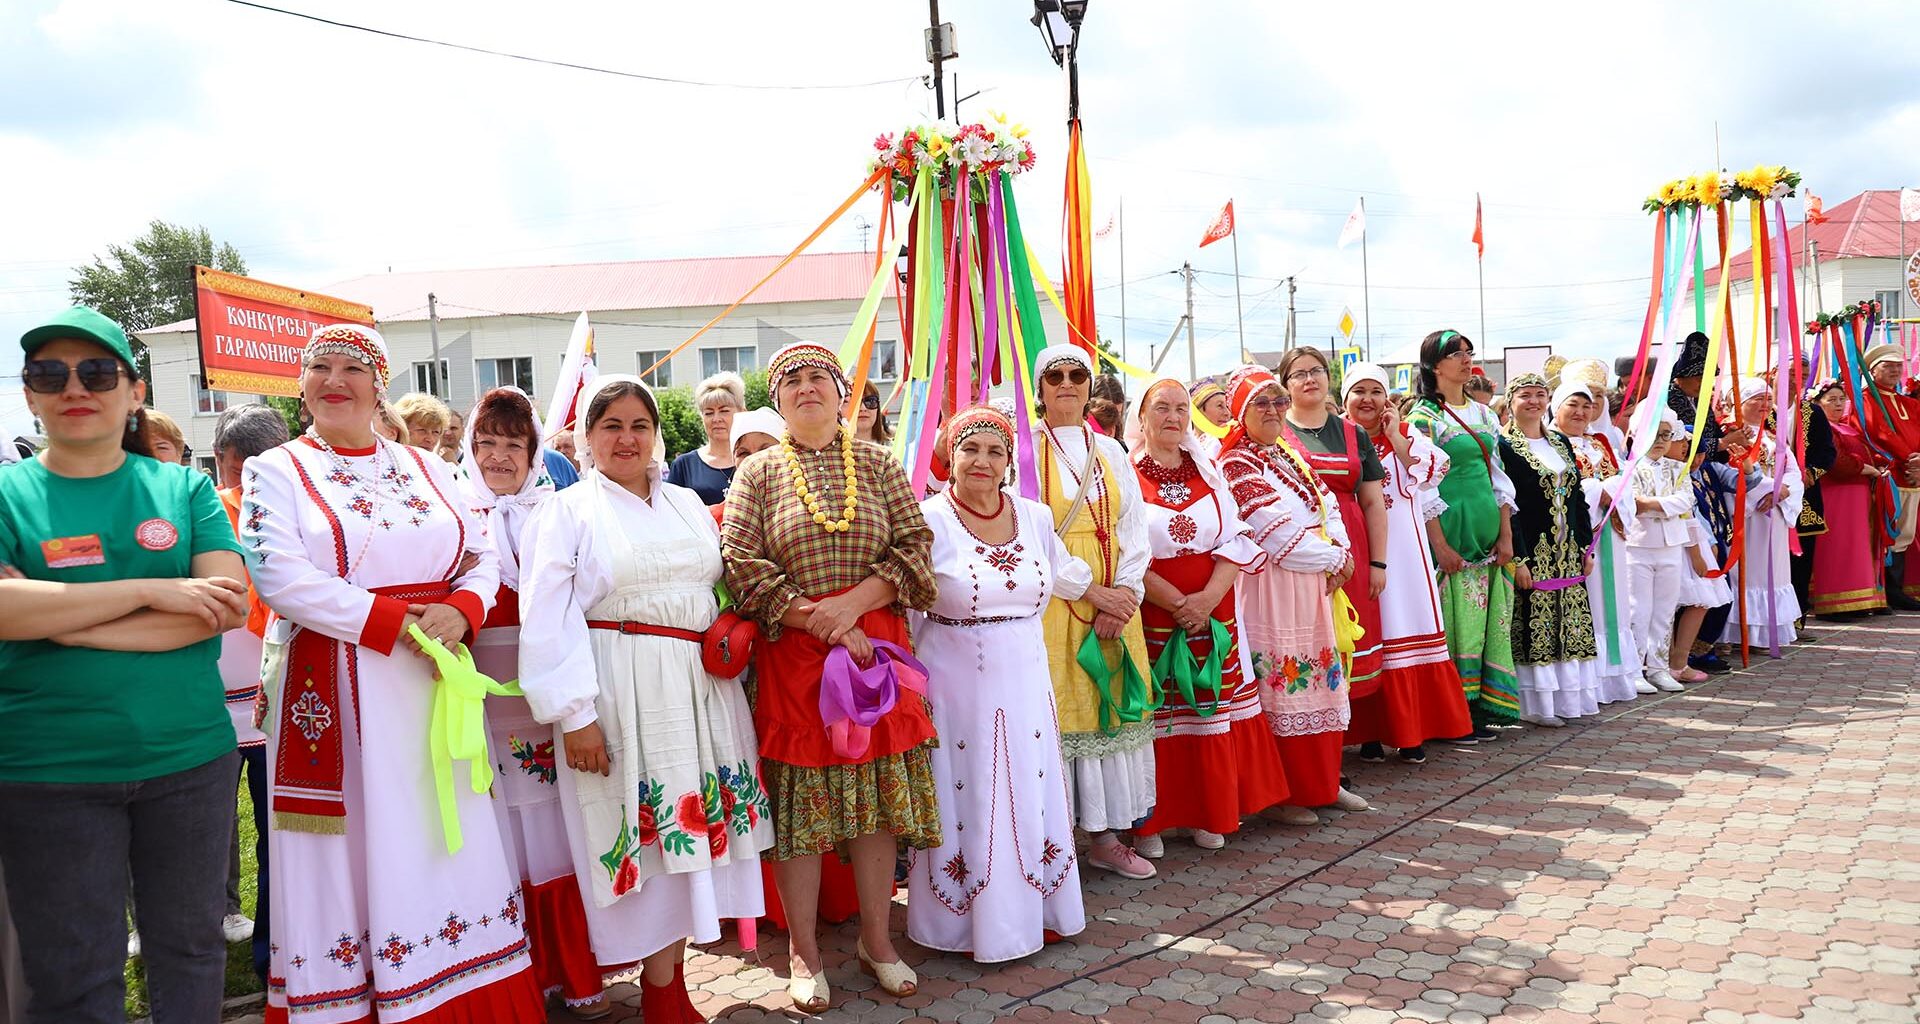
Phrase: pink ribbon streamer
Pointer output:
(1560, 583)
(992, 272)
(854, 699)
(957, 287)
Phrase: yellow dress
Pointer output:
(1111, 760)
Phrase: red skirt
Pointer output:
(1212, 771)
(557, 938)
(1312, 765)
(786, 713)
(1412, 705)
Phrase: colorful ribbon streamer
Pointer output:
(1189, 675)
(854, 699)
(457, 728)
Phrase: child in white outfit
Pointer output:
(1658, 543)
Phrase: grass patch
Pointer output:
(240, 978)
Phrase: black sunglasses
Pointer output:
(870, 402)
(49, 376)
(1057, 377)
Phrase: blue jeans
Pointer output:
(66, 849)
(254, 761)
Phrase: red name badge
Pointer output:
(73, 552)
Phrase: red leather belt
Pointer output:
(692, 636)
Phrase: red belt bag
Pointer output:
(726, 648)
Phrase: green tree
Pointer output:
(150, 282)
(680, 428)
(289, 410)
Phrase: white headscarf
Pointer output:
(1364, 371)
(507, 514)
(757, 421)
(584, 450)
(1053, 355)
(1567, 389)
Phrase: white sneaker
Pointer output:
(1151, 847)
(1208, 840)
(1545, 721)
(1666, 683)
(237, 927)
(1350, 801)
(1643, 687)
(133, 945)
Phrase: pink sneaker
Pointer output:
(1115, 856)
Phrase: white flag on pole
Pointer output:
(1356, 224)
(1909, 204)
(577, 374)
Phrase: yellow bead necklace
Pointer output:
(845, 522)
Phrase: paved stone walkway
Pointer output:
(1746, 851)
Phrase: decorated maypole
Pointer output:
(1681, 207)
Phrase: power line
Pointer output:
(568, 64)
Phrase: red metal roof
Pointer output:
(591, 287)
(1866, 225)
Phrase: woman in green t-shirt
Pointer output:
(116, 752)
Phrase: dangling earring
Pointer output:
(133, 423)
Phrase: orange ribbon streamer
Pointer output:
(872, 180)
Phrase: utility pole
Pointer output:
(1192, 366)
(939, 49)
(433, 329)
(1290, 325)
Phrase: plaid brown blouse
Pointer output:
(775, 552)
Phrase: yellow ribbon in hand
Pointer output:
(1346, 631)
(457, 730)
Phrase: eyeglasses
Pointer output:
(870, 402)
(1464, 355)
(1265, 404)
(1055, 378)
(49, 376)
(1316, 373)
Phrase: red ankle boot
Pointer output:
(668, 1004)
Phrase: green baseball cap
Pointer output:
(86, 324)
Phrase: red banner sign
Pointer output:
(252, 332)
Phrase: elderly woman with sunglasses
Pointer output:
(1096, 648)
(118, 574)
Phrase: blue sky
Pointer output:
(324, 154)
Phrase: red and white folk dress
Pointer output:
(1217, 761)
(1419, 697)
(373, 920)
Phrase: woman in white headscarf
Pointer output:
(660, 786)
(1773, 507)
(504, 481)
(1575, 407)
(1215, 757)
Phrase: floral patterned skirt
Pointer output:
(817, 810)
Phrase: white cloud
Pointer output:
(323, 153)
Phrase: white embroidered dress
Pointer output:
(1621, 656)
(1766, 572)
(1410, 604)
(1007, 869)
(380, 923)
(668, 845)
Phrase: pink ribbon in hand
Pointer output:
(853, 699)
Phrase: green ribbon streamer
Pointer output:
(1178, 666)
(1135, 702)
(1033, 335)
(457, 730)
(1609, 596)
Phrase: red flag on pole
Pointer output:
(1221, 227)
(1479, 239)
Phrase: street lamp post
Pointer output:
(1059, 25)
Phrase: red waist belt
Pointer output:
(309, 750)
(692, 636)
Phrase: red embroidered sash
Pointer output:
(310, 752)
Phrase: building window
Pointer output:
(719, 360)
(513, 371)
(1889, 304)
(204, 463)
(885, 363)
(423, 377)
(207, 402)
(660, 378)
